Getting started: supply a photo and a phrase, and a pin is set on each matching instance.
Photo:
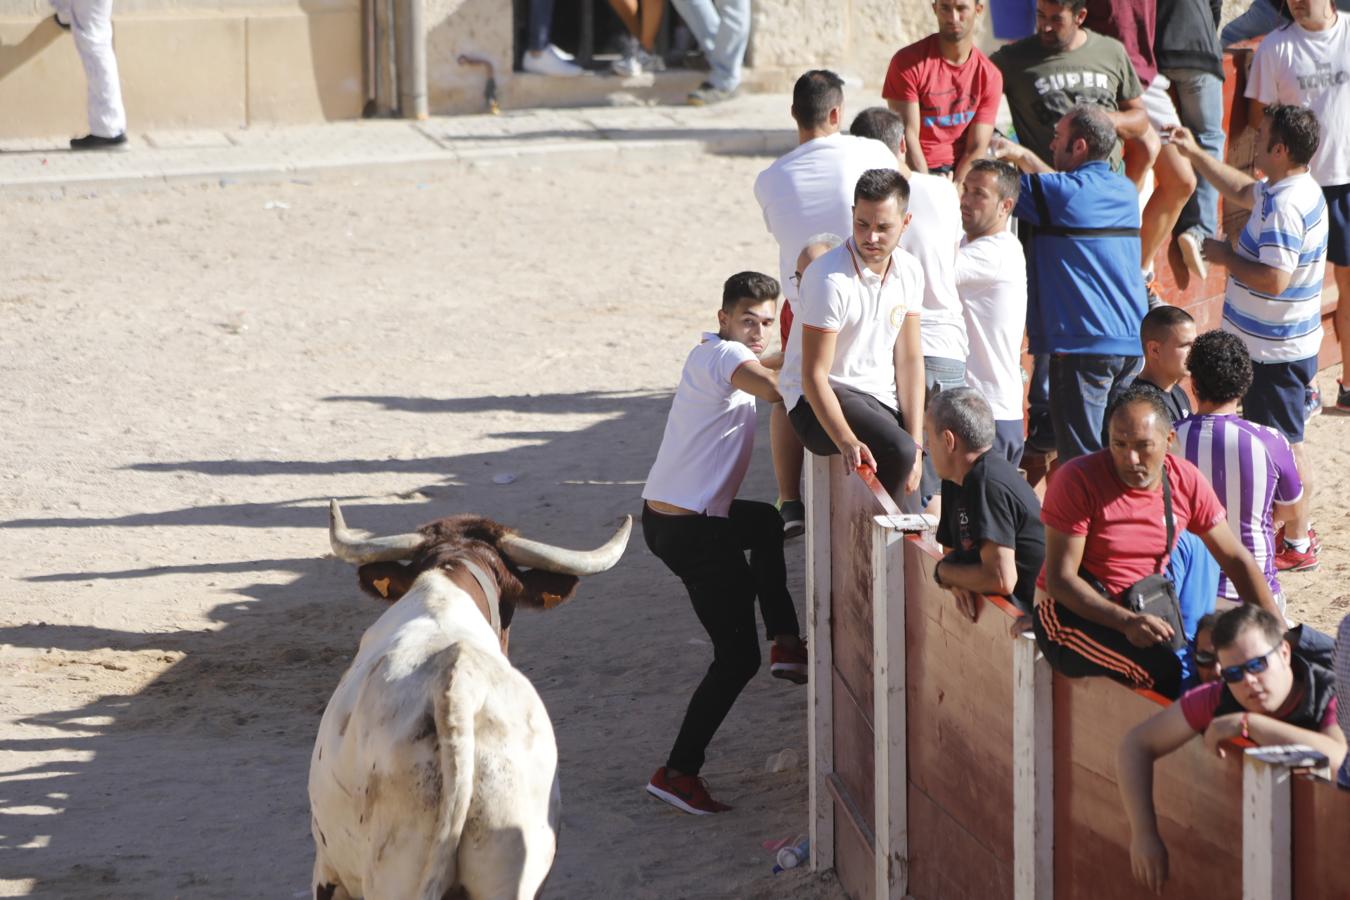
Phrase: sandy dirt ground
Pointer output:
(190, 372)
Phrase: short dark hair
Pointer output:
(1208, 620)
(1160, 320)
(814, 95)
(1221, 367)
(1091, 123)
(1140, 393)
(1296, 127)
(755, 287)
(1232, 623)
(879, 124)
(1006, 177)
(1071, 5)
(965, 413)
(877, 185)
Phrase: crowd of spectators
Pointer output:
(919, 249)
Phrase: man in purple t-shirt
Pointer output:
(1250, 466)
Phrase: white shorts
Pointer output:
(1158, 104)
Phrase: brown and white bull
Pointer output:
(434, 774)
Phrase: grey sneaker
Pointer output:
(650, 62)
(794, 518)
(1190, 242)
(707, 95)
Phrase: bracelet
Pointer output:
(1245, 734)
(937, 579)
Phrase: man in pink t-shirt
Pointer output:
(947, 93)
(1105, 530)
(1265, 694)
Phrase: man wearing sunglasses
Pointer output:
(1264, 693)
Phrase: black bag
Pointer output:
(1156, 595)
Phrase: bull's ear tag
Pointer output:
(382, 585)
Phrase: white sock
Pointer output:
(1301, 545)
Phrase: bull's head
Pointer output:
(526, 573)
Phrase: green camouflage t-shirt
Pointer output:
(1043, 84)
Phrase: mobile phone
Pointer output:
(1294, 756)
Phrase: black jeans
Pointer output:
(878, 426)
(708, 554)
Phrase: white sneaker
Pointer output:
(550, 61)
(1191, 254)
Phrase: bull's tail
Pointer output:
(456, 698)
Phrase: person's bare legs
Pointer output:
(1296, 525)
(652, 11)
(1140, 155)
(1342, 275)
(1173, 184)
(787, 454)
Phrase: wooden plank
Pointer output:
(1033, 775)
(853, 753)
(888, 714)
(1198, 798)
(853, 856)
(851, 511)
(1266, 832)
(820, 702)
(1321, 835)
(960, 708)
(947, 862)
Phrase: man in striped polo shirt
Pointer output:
(1273, 300)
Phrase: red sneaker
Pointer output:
(1314, 541)
(685, 792)
(788, 664)
(1291, 560)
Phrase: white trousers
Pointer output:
(91, 26)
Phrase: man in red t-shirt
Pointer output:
(1105, 523)
(947, 93)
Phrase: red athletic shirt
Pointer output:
(1199, 705)
(950, 97)
(1124, 526)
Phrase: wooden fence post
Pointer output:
(888, 713)
(1267, 831)
(819, 704)
(1033, 775)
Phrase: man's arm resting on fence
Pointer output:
(1237, 563)
(1147, 742)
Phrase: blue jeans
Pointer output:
(1079, 387)
(541, 23)
(1200, 108)
(939, 374)
(722, 30)
(1040, 429)
(1261, 18)
(1009, 440)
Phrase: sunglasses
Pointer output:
(1205, 659)
(1254, 666)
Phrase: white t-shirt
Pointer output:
(1312, 69)
(991, 276)
(1287, 230)
(709, 433)
(840, 294)
(933, 235)
(809, 191)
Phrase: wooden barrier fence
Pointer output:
(947, 761)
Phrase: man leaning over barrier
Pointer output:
(1111, 518)
(1265, 694)
(990, 516)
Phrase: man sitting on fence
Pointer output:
(852, 378)
(990, 516)
(1265, 693)
(1110, 522)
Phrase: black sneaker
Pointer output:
(1342, 396)
(794, 518)
(707, 95)
(1312, 401)
(59, 24)
(97, 142)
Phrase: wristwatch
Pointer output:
(937, 579)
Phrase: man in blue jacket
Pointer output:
(1085, 293)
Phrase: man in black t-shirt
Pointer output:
(991, 519)
(1166, 333)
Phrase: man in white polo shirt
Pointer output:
(855, 339)
(991, 275)
(808, 192)
(693, 523)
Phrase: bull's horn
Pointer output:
(533, 554)
(360, 551)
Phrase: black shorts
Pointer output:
(1276, 397)
(1338, 224)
